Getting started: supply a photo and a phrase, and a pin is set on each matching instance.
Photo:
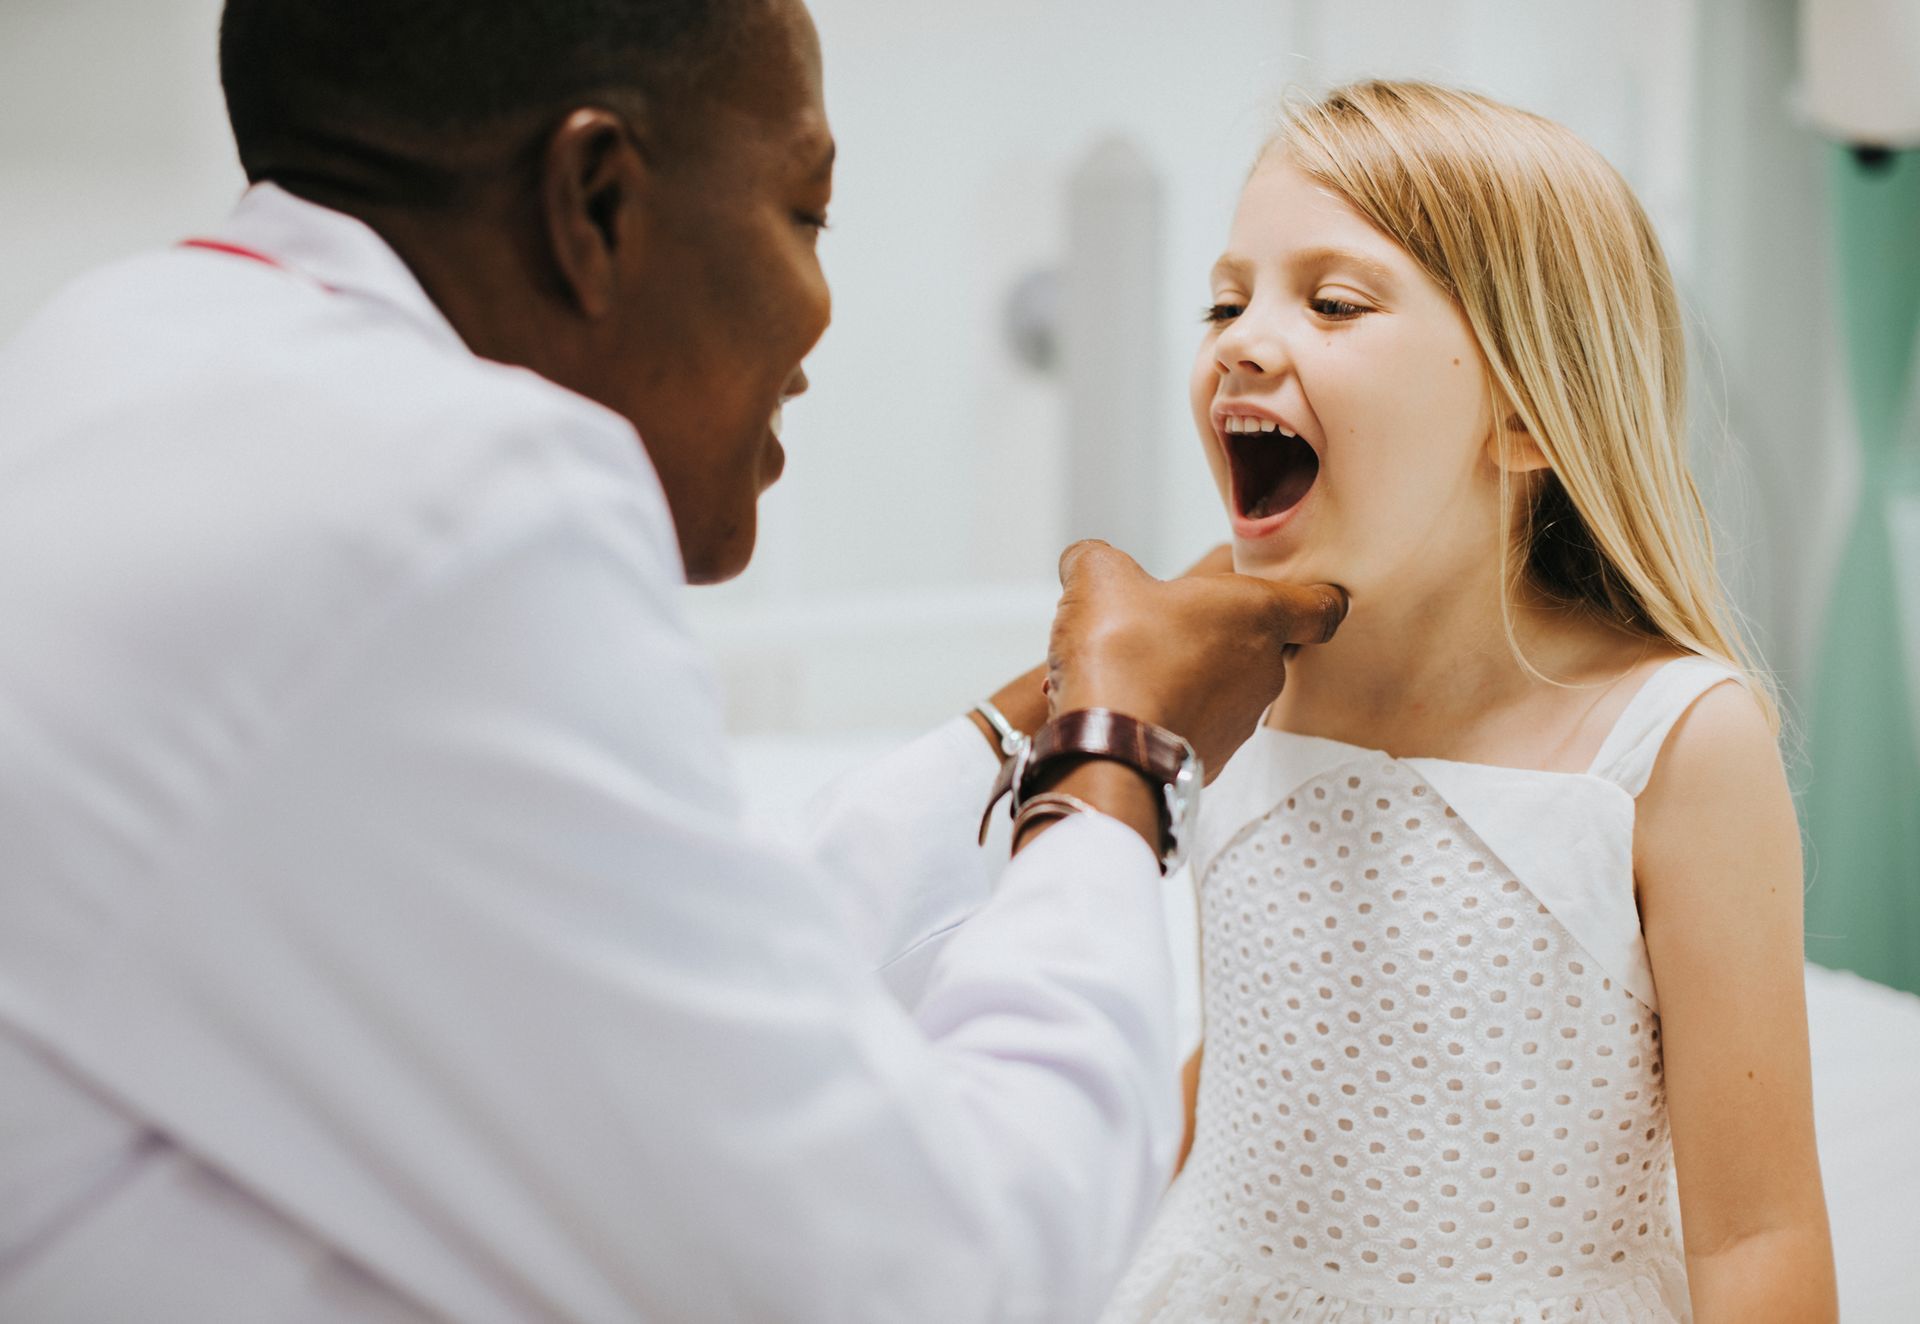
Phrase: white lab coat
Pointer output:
(380, 938)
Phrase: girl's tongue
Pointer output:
(1272, 472)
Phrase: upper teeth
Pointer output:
(773, 424)
(1247, 423)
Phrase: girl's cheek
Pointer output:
(1200, 382)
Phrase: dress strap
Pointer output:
(1627, 757)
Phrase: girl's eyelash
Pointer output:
(818, 220)
(1337, 309)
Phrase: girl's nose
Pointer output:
(1250, 346)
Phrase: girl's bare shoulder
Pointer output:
(1724, 738)
(1581, 705)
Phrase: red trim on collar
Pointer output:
(250, 254)
(234, 250)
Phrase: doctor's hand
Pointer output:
(1023, 700)
(1203, 655)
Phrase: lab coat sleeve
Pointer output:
(900, 839)
(476, 971)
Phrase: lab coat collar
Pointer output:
(333, 249)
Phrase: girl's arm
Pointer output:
(1190, 1095)
(1717, 860)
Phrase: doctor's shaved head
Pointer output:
(624, 196)
(407, 101)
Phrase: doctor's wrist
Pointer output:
(1112, 788)
(1022, 701)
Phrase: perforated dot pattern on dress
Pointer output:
(1420, 1099)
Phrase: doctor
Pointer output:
(380, 939)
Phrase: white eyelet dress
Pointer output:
(1432, 1085)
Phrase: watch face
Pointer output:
(1183, 810)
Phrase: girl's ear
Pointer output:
(1513, 448)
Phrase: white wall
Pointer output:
(112, 136)
(1763, 289)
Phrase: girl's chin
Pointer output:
(1298, 565)
(1271, 558)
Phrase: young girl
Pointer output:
(1500, 911)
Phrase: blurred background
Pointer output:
(1029, 195)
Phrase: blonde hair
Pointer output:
(1562, 279)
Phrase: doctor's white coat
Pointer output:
(380, 938)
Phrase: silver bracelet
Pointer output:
(1012, 738)
(1044, 807)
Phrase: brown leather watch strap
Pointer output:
(1103, 733)
(1154, 752)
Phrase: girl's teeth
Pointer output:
(773, 424)
(1238, 424)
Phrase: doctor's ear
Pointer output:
(1513, 448)
(593, 176)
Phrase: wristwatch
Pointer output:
(1156, 753)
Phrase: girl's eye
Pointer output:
(1221, 312)
(1337, 310)
(812, 220)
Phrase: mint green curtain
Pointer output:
(1861, 804)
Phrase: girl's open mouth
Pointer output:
(1272, 471)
